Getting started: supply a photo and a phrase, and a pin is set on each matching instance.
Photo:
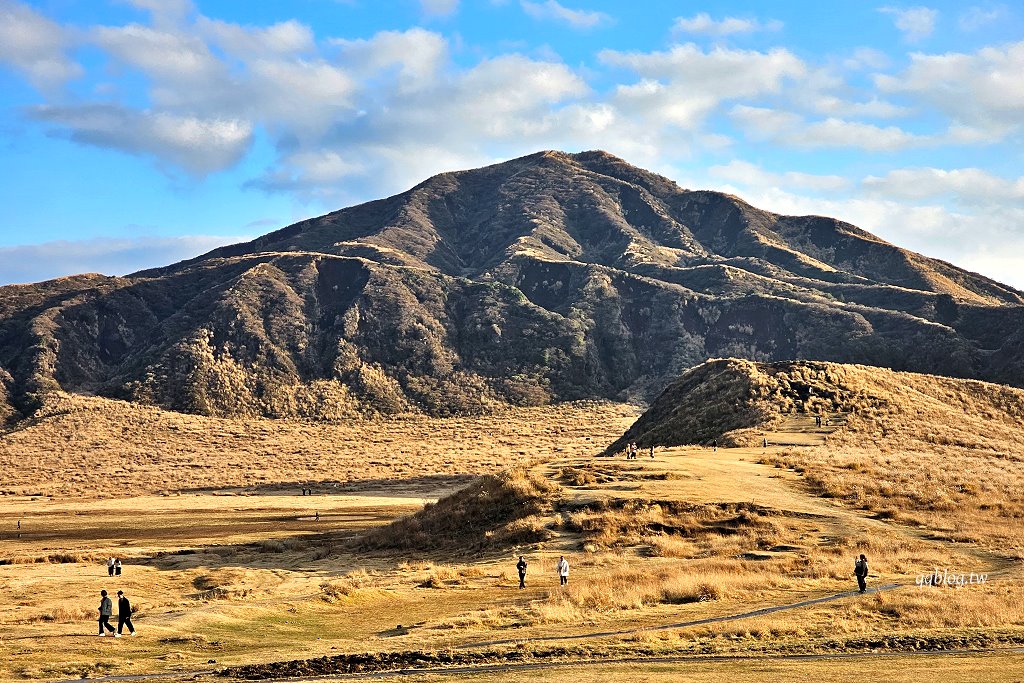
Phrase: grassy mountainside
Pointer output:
(733, 400)
(547, 278)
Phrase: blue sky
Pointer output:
(138, 132)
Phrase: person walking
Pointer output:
(117, 567)
(521, 568)
(860, 570)
(563, 571)
(124, 614)
(106, 609)
(110, 567)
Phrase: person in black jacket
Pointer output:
(124, 614)
(521, 566)
(860, 570)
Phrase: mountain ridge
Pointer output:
(550, 277)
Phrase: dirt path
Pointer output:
(681, 624)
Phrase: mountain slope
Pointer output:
(550, 277)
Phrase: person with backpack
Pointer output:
(106, 609)
(124, 614)
(860, 570)
(521, 568)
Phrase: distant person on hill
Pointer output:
(110, 567)
(652, 452)
(521, 568)
(106, 609)
(860, 570)
(117, 567)
(817, 420)
(714, 444)
(563, 571)
(124, 614)
(632, 450)
(317, 517)
(766, 442)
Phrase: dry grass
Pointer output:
(691, 534)
(91, 446)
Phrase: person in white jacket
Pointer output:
(563, 571)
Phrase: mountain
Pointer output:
(550, 277)
(733, 402)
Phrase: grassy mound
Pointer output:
(496, 511)
(733, 400)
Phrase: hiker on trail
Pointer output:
(860, 570)
(106, 609)
(521, 568)
(316, 518)
(124, 614)
(110, 566)
(652, 452)
(714, 444)
(817, 420)
(632, 450)
(117, 567)
(563, 571)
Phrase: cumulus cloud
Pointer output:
(551, 10)
(981, 90)
(417, 55)
(761, 123)
(36, 46)
(683, 85)
(916, 23)
(110, 256)
(967, 185)
(703, 24)
(198, 145)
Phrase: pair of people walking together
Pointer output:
(124, 614)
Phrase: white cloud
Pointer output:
(982, 90)
(866, 58)
(36, 46)
(555, 11)
(974, 18)
(198, 145)
(752, 175)
(417, 54)
(916, 23)
(439, 8)
(702, 23)
(873, 108)
(721, 72)
(760, 123)
(967, 185)
(284, 38)
(108, 255)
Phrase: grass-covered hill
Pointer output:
(734, 401)
(546, 278)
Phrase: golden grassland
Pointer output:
(231, 564)
(90, 446)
